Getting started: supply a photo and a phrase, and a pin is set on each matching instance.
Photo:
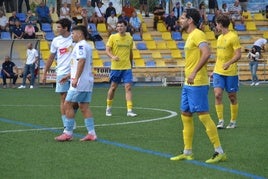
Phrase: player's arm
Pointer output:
(235, 58)
(48, 65)
(205, 54)
(110, 54)
(131, 57)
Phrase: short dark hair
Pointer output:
(81, 28)
(122, 22)
(65, 23)
(223, 20)
(194, 14)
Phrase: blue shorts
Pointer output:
(78, 96)
(62, 88)
(229, 83)
(194, 99)
(117, 76)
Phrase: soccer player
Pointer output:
(61, 48)
(119, 49)
(81, 87)
(194, 97)
(225, 74)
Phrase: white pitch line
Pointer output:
(172, 114)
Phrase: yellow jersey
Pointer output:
(192, 57)
(227, 44)
(121, 47)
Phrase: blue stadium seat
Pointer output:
(22, 16)
(136, 37)
(150, 63)
(46, 27)
(180, 45)
(141, 46)
(100, 45)
(6, 36)
(49, 36)
(107, 64)
(176, 36)
(93, 28)
(240, 27)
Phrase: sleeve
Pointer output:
(35, 53)
(236, 43)
(110, 41)
(53, 48)
(81, 52)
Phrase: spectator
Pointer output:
(254, 57)
(171, 22)
(111, 23)
(11, 20)
(2, 5)
(32, 58)
(68, 2)
(123, 17)
(27, 5)
(213, 24)
(8, 68)
(9, 5)
(18, 31)
(135, 24)
(3, 22)
(29, 31)
(43, 14)
(203, 15)
(178, 10)
(244, 5)
(212, 6)
(144, 7)
(51, 5)
(189, 5)
(259, 45)
(36, 69)
(128, 9)
(94, 3)
(76, 13)
(159, 12)
(32, 19)
(110, 9)
(91, 13)
(236, 13)
(224, 9)
(65, 12)
(100, 11)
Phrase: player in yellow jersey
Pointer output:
(194, 97)
(119, 49)
(225, 76)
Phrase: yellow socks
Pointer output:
(129, 105)
(210, 129)
(109, 103)
(219, 111)
(188, 131)
(234, 112)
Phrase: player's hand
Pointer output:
(116, 58)
(74, 82)
(226, 66)
(191, 78)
